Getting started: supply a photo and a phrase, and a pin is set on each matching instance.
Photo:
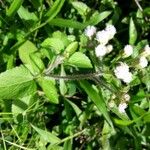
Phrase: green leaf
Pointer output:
(62, 36)
(37, 62)
(54, 10)
(49, 89)
(26, 15)
(25, 50)
(80, 60)
(97, 98)
(75, 108)
(15, 83)
(55, 43)
(72, 47)
(46, 136)
(98, 17)
(132, 32)
(60, 22)
(82, 8)
(14, 7)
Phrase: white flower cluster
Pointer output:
(122, 72)
(123, 105)
(103, 38)
(105, 35)
(143, 62)
(128, 50)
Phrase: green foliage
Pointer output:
(17, 82)
(55, 93)
(80, 60)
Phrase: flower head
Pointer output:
(100, 50)
(102, 37)
(143, 62)
(128, 50)
(90, 31)
(122, 107)
(111, 30)
(122, 72)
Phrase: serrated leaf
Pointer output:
(15, 83)
(97, 98)
(55, 43)
(46, 136)
(49, 89)
(80, 60)
(132, 32)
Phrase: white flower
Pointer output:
(128, 50)
(146, 51)
(122, 72)
(127, 78)
(100, 50)
(109, 48)
(126, 97)
(111, 30)
(143, 62)
(122, 107)
(102, 37)
(90, 31)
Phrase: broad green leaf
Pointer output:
(14, 7)
(47, 136)
(25, 50)
(15, 83)
(80, 60)
(26, 15)
(55, 43)
(132, 32)
(36, 61)
(97, 98)
(62, 36)
(49, 89)
(98, 17)
(54, 10)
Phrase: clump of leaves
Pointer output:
(55, 93)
